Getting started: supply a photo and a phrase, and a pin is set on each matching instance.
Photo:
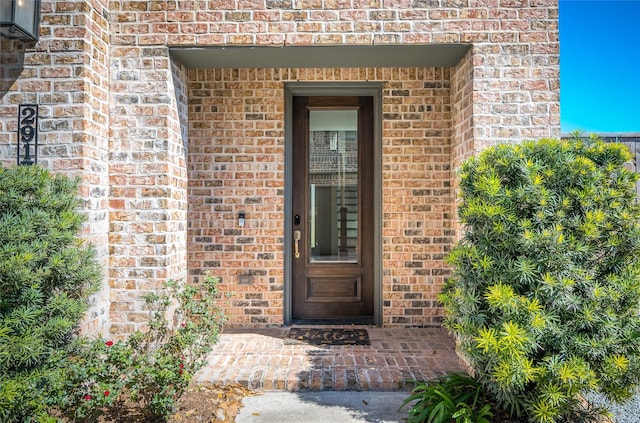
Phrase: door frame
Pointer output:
(371, 89)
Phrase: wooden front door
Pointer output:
(333, 242)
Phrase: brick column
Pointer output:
(148, 180)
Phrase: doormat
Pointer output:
(317, 336)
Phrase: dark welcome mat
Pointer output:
(328, 336)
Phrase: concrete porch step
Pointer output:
(260, 359)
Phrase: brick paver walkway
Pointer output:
(261, 359)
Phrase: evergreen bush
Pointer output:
(48, 371)
(544, 297)
(46, 275)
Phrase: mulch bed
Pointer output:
(200, 404)
(208, 405)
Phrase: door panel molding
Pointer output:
(325, 89)
(323, 289)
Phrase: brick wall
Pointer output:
(147, 177)
(514, 57)
(118, 111)
(462, 124)
(66, 74)
(236, 163)
(462, 111)
(417, 202)
(94, 141)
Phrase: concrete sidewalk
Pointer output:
(323, 407)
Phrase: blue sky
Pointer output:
(600, 65)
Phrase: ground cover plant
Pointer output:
(454, 397)
(545, 293)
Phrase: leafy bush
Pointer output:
(151, 370)
(455, 397)
(545, 294)
(46, 274)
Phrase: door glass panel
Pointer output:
(333, 185)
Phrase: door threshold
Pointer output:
(368, 321)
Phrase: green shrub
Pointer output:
(455, 397)
(151, 370)
(544, 298)
(47, 371)
(46, 275)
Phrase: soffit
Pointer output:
(432, 55)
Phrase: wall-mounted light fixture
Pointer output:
(20, 19)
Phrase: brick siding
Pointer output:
(67, 75)
(167, 154)
(237, 160)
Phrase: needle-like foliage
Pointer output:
(46, 275)
(545, 294)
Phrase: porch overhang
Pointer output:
(236, 57)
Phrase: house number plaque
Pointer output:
(27, 134)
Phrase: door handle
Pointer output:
(296, 238)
